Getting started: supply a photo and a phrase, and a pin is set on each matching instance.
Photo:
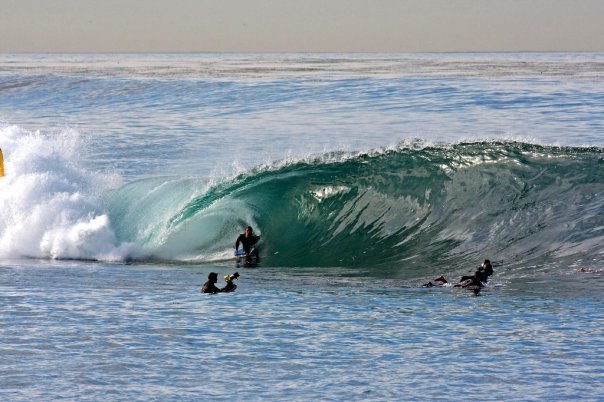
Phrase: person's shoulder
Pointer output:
(209, 288)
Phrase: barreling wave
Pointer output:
(414, 206)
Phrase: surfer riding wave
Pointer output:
(248, 240)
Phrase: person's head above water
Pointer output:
(248, 230)
(487, 267)
(213, 277)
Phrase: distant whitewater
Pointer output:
(406, 207)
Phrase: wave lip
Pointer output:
(416, 206)
(408, 210)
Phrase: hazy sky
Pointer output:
(300, 25)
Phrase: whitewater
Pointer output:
(129, 176)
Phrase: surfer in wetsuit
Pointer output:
(480, 277)
(210, 285)
(248, 240)
(487, 268)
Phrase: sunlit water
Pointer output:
(98, 331)
(104, 152)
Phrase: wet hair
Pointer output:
(213, 275)
(487, 262)
(250, 228)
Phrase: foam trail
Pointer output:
(50, 206)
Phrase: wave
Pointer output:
(413, 206)
(50, 207)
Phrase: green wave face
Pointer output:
(414, 207)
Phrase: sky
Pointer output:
(300, 25)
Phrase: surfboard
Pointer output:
(1, 164)
(245, 261)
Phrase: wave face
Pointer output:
(412, 206)
(409, 206)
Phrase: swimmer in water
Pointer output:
(480, 277)
(210, 285)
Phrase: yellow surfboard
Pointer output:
(1, 164)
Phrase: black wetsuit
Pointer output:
(230, 287)
(483, 275)
(473, 281)
(209, 287)
(247, 243)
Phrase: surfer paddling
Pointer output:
(247, 241)
(478, 280)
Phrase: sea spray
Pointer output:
(50, 205)
(400, 210)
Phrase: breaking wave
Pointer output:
(413, 206)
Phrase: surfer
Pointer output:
(480, 277)
(483, 272)
(210, 285)
(488, 268)
(248, 240)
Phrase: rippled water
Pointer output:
(95, 331)
(200, 114)
(77, 130)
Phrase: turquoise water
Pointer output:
(128, 178)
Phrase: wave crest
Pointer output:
(420, 206)
(401, 210)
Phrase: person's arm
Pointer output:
(237, 243)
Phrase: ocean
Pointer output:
(129, 176)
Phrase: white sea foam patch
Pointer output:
(50, 206)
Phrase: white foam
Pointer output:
(49, 204)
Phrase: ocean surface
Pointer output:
(129, 176)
